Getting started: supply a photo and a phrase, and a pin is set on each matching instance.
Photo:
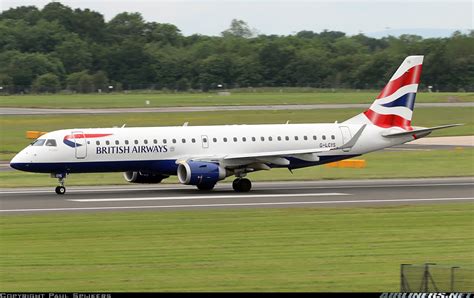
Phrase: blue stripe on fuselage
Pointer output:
(167, 167)
(407, 100)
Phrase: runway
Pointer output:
(346, 193)
(45, 111)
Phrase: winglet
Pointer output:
(354, 139)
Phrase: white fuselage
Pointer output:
(158, 149)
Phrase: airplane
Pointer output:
(203, 155)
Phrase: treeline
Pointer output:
(59, 48)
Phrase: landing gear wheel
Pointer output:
(205, 186)
(60, 190)
(242, 185)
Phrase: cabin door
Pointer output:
(80, 146)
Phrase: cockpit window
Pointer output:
(38, 142)
(51, 142)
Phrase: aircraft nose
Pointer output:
(19, 163)
(14, 163)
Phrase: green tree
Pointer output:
(274, 58)
(126, 25)
(81, 82)
(57, 12)
(89, 25)
(130, 64)
(6, 83)
(100, 81)
(25, 67)
(163, 34)
(48, 82)
(29, 14)
(74, 54)
(238, 28)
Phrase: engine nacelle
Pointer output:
(200, 173)
(139, 177)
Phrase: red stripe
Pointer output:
(411, 76)
(388, 120)
(87, 136)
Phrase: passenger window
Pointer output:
(136, 142)
(145, 142)
(324, 137)
(193, 140)
(315, 138)
(155, 141)
(164, 141)
(183, 141)
(117, 142)
(262, 138)
(51, 143)
(279, 138)
(305, 138)
(270, 139)
(296, 138)
(244, 139)
(333, 137)
(225, 140)
(107, 142)
(253, 139)
(174, 141)
(214, 140)
(97, 143)
(235, 139)
(287, 138)
(126, 142)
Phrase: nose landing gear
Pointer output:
(60, 190)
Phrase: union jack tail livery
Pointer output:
(393, 107)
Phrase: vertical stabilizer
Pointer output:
(394, 106)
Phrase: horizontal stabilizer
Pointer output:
(422, 131)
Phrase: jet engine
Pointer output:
(140, 177)
(202, 174)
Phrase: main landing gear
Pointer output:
(60, 190)
(242, 185)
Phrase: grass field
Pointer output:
(310, 249)
(382, 164)
(124, 100)
(13, 128)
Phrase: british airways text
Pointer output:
(130, 149)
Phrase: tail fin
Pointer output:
(393, 107)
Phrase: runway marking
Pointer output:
(233, 205)
(210, 197)
(273, 187)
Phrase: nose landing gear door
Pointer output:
(80, 146)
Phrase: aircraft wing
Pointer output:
(272, 157)
(422, 132)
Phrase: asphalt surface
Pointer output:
(40, 111)
(348, 193)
